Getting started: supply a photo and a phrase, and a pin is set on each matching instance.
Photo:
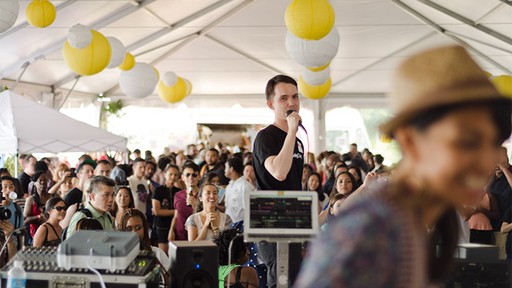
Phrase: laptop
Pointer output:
(280, 216)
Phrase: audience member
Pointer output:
(85, 171)
(29, 163)
(185, 201)
(101, 198)
(8, 203)
(236, 189)
(205, 224)
(34, 205)
(163, 205)
(48, 234)
(123, 200)
(139, 185)
(232, 272)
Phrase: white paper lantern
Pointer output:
(9, 10)
(118, 52)
(138, 82)
(310, 53)
(316, 78)
(79, 36)
(170, 79)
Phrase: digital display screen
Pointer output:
(281, 212)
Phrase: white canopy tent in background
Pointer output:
(228, 49)
(29, 127)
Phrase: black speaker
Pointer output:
(194, 264)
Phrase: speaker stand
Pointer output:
(282, 265)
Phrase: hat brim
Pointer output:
(388, 128)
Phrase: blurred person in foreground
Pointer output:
(449, 122)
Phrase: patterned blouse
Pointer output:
(374, 242)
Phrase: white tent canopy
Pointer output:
(29, 127)
(228, 49)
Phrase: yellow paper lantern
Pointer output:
(314, 92)
(91, 59)
(385, 138)
(318, 69)
(172, 94)
(40, 13)
(128, 62)
(504, 84)
(189, 87)
(309, 19)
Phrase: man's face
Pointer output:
(139, 168)
(227, 171)
(102, 169)
(30, 166)
(150, 171)
(190, 177)
(86, 172)
(192, 150)
(211, 158)
(103, 198)
(285, 98)
(353, 149)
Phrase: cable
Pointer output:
(102, 282)
(229, 256)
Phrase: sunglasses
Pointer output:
(191, 174)
(60, 208)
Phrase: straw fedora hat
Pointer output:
(436, 77)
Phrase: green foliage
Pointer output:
(114, 108)
(9, 164)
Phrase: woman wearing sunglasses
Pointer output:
(48, 234)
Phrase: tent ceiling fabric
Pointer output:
(29, 127)
(232, 47)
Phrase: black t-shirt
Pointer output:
(24, 181)
(507, 217)
(74, 196)
(166, 198)
(501, 189)
(269, 142)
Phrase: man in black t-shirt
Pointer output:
(84, 172)
(500, 187)
(278, 155)
(29, 164)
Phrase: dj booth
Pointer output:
(42, 271)
(115, 255)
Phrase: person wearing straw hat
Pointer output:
(450, 122)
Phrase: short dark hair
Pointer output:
(172, 166)
(191, 165)
(236, 164)
(163, 162)
(272, 83)
(379, 159)
(214, 150)
(106, 162)
(136, 151)
(238, 248)
(151, 163)
(100, 180)
(88, 224)
(138, 160)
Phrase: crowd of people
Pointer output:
(367, 208)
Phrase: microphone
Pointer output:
(300, 122)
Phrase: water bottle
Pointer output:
(17, 277)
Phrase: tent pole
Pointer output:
(16, 155)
